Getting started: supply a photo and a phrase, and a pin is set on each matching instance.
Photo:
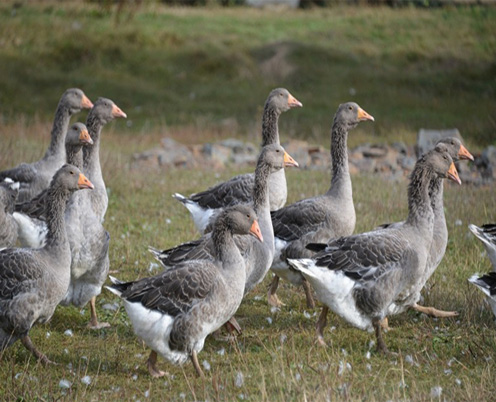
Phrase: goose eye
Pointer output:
(71, 172)
(277, 151)
(350, 108)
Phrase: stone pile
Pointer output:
(394, 161)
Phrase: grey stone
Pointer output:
(427, 138)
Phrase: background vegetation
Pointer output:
(189, 73)
(201, 67)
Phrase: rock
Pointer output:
(392, 162)
(217, 153)
(375, 151)
(427, 139)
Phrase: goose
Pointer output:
(33, 281)
(360, 276)
(486, 283)
(88, 239)
(35, 177)
(104, 111)
(174, 311)
(409, 297)
(8, 226)
(239, 189)
(258, 256)
(31, 215)
(319, 218)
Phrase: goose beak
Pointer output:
(453, 174)
(84, 137)
(86, 103)
(255, 231)
(363, 115)
(83, 182)
(464, 154)
(289, 161)
(293, 102)
(117, 112)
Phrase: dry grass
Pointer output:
(276, 358)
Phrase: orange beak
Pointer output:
(453, 174)
(86, 103)
(83, 182)
(84, 137)
(117, 112)
(464, 154)
(255, 231)
(363, 115)
(293, 102)
(289, 161)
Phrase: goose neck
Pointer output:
(75, 156)
(91, 153)
(56, 203)
(436, 190)
(261, 188)
(270, 123)
(339, 158)
(419, 204)
(59, 129)
(225, 248)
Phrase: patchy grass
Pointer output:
(276, 358)
(411, 68)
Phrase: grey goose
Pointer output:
(33, 281)
(35, 177)
(360, 276)
(409, 297)
(173, 312)
(319, 218)
(104, 111)
(487, 283)
(31, 215)
(239, 189)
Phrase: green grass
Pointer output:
(410, 67)
(278, 360)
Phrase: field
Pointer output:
(437, 72)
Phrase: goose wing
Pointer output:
(237, 190)
(36, 207)
(24, 174)
(295, 220)
(174, 291)
(363, 257)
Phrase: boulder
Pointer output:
(427, 139)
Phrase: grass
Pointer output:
(276, 358)
(180, 72)
(198, 67)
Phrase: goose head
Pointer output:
(75, 100)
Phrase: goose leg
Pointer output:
(434, 312)
(28, 344)
(194, 359)
(308, 294)
(233, 327)
(385, 324)
(94, 324)
(321, 324)
(151, 363)
(271, 295)
(381, 346)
